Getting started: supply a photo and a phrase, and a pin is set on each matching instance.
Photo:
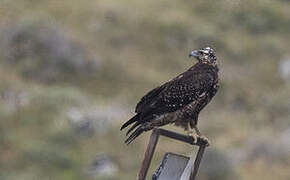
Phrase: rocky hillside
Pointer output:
(71, 72)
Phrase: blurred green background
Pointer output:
(72, 71)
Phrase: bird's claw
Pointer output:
(205, 139)
(194, 136)
(202, 138)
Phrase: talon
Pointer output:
(194, 136)
(205, 139)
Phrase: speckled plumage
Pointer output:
(180, 100)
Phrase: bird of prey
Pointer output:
(179, 100)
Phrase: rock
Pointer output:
(44, 52)
(103, 166)
(96, 119)
(271, 150)
(285, 136)
(284, 68)
(14, 99)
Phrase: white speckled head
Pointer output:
(206, 50)
(204, 55)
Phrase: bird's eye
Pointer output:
(212, 57)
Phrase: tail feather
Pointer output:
(141, 121)
(135, 134)
(140, 124)
(132, 128)
(132, 120)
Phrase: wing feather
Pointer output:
(178, 92)
(148, 98)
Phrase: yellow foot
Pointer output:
(205, 139)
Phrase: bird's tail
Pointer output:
(135, 134)
(141, 125)
(132, 120)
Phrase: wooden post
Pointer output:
(149, 154)
(180, 137)
(197, 162)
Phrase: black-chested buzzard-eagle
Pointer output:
(180, 100)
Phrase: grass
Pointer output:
(139, 45)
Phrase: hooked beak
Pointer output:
(194, 53)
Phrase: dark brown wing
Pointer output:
(148, 98)
(178, 92)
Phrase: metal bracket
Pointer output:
(180, 137)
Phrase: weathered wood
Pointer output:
(180, 137)
(197, 162)
(148, 155)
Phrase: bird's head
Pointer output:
(204, 55)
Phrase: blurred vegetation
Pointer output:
(71, 66)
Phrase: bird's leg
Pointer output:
(201, 136)
(191, 133)
(197, 130)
